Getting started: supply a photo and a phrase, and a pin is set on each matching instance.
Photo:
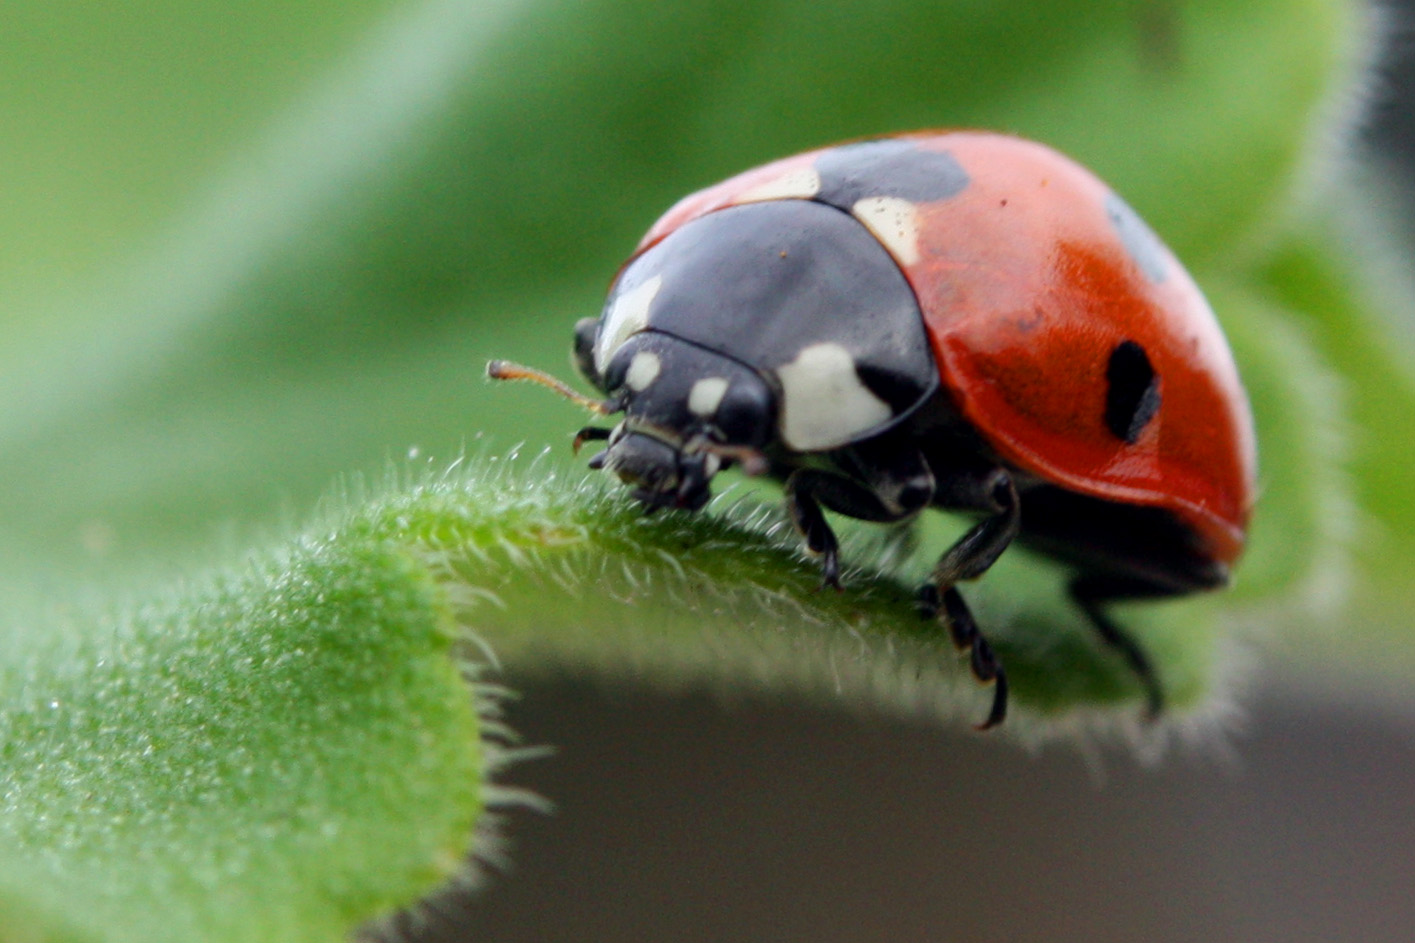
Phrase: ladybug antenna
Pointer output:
(506, 370)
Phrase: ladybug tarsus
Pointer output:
(928, 602)
(958, 618)
(998, 713)
(588, 434)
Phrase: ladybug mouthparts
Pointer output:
(661, 474)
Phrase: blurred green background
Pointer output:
(248, 251)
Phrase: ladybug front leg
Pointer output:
(884, 484)
(969, 558)
(806, 514)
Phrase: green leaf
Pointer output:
(1302, 529)
(568, 574)
(286, 750)
(116, 116)
(275, 754)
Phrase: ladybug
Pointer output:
(962, 320)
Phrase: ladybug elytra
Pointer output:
(962, 320)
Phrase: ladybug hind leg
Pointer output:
(1092, 593)
(993, 493)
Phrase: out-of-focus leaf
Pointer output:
(1300, 538)
(1334, 302)
(113, 117)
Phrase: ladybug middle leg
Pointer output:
(888, 482)
(994, 493)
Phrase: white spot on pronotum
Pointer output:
(706, 395)
(800, 184)
(894, 222)
(643, 370)
(824, 404)
(627, 316)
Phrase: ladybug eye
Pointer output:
(1132, 391)
(745, 414)
(586, 333)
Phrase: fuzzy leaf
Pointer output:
(1339, 304)
(275, 754)
(282, 752)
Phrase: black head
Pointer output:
(688, 414)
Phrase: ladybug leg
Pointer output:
(948, 607)
(1092, 593)
(882, 485)
(986, 667)
(806, 514)
(969, 558)
(980, 547)
(589, 434)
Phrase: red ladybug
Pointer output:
(962, 320)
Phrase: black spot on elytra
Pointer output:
(893, 168)
(1132, 394)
